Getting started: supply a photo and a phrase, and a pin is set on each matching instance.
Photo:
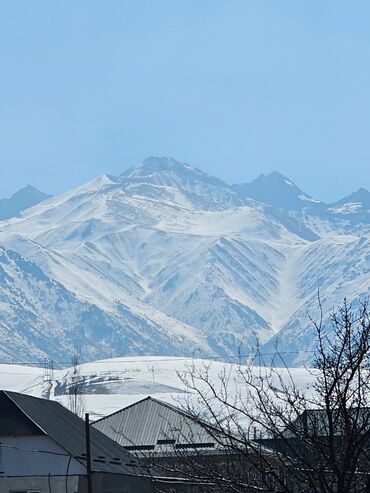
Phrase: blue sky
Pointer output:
(235, 87)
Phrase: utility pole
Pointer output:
(88, 454)
(46, 370)
(51, 370)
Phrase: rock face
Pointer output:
(165, 259)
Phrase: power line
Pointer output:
(3, 445)
(49, 452)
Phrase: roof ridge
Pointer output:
(122, 409)
(172, 407)
(7, 392)
(36, 424)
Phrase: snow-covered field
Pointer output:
(111, 384)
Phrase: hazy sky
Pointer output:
(235, 87)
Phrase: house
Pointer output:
(154, 428)
(177, 444)
(169, 440)
(330, 445)
(315, 422)
(42, 450)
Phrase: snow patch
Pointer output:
(349, 208)
(308, 199)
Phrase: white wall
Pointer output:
(35, 456)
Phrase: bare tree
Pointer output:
(151, 370)
(274, 435)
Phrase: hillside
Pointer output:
(111, 384)
(165, 259)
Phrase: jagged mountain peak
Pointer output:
(362, 190)
(274, 175)
(361, 195)
(276, 190)
(153, 165)
(168, 171)
(28, 189)
(199, 188)
(277, 180)
(356, 204)
(21, 200)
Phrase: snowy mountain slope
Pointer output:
(231, 276)
(20, 377)
(40, 316)
(337, 267)
(20, 201)
(174, 260)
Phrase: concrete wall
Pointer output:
(35, 456)
(43, 484)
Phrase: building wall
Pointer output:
(55, 484)
(117, 483)
(35, 456)
(102, 483)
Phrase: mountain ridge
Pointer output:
(166, 258)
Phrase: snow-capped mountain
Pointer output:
(23, 199)
(354, 202)
(277, 191)
(354, 209)
(165, 259)
(197, 189)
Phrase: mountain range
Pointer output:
(166, 259)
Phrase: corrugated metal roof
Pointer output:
(68, 431)
(148, 424)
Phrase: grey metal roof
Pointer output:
(145, 424)
(68, 431)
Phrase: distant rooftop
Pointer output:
(155, 427)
